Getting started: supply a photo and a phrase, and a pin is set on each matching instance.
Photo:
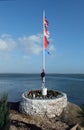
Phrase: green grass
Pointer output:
(4, 113)
(81, 115)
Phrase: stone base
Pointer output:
(41, 107)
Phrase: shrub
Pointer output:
(4, 113)
(81, 115)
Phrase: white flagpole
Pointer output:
(44, 89)
(43, 50)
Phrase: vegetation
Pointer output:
(81, 115)
(38, 94)
(4, 113)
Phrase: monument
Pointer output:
(43, 102)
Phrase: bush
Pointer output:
(4, 113)
(81, 115)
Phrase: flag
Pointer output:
(46, 42)
(46, 32)
(48, 52)
(46, 22)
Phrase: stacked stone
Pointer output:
(41, 107)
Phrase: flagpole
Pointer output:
(44, 89)
(43, 51)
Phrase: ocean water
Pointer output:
(16, 84)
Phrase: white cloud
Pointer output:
(7, 43)
(3, 45)
(35, 38)
(31, 44)
(27, 45)
(52, 48)
(5, 35)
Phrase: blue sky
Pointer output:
(21, 36)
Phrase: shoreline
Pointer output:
(65, 121)
(69, 83)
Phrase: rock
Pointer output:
(76, 127)
(70, 114)
(67, 119)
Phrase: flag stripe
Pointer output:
(46, 42)
(46, 22)
(46, 32)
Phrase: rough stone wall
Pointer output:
(50, 107)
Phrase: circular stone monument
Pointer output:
(33, 103)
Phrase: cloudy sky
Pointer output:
(21, 34)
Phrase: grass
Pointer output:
(81, 115)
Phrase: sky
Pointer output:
(21, 36)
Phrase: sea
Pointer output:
(15, 84)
